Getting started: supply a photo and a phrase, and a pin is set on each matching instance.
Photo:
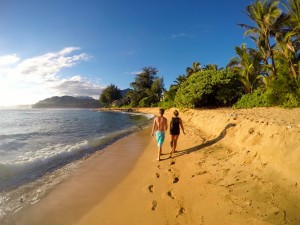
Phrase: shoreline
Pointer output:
(87, 185)
(232, 167)
(17, 198)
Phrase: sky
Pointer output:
(77, 48)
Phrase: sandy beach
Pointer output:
(232, 167)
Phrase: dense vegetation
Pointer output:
(110, 94)
(267, 75)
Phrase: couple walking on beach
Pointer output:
(160, 126)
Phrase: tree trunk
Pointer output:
(272, 57)
(293, 69)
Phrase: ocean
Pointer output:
(39, 148)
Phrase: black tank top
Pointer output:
(174, 127)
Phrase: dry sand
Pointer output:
(232, 167)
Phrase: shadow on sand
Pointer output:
(205, 144)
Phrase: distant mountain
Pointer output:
(68, 102)
(83, 97)
(125, 91)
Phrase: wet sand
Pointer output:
(232, 167)
(87, 186)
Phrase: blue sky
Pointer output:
(64, 47)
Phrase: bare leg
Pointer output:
(174, 143)
(159, 152)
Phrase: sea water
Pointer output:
(38, 147)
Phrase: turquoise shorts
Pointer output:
(160, 137)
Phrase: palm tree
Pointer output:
(247, 66)
(287, 52)
(180, 79)
(264, 13)
(293, 10)
(195, 68)
(262, 46)
(288, 40)
(211, 67)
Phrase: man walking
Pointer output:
(160, 125)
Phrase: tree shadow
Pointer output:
(205, 144)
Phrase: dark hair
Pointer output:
(161, 111)
(176, 113)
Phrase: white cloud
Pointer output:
(68, 50)
(32, 79)
(48, 65)
(133, 72)
(8, 59)
(77, 86)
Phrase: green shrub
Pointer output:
(284, 91)
(257, 99)
(145, 102)
(166, 104)
(148, 102)
(290, 101)
(209, 88)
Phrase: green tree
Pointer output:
(144, 79)
(171, 93)
(211, 67)
(284, 91)
(265, 15)
(180, 79)
(134, 97)
(293, 10)
(286, 52)
(147, 88)
(110, 94)
(247, 67)
(288, 37)
(209, 88)
(157, 88)
(196, 66)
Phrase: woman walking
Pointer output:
(175, 125)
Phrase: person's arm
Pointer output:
(171, 123)
(181, 125)
(153, 127)
(166, 124)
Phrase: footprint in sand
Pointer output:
(180, 212)
(175, 180)
(225, 172)
(154, 205)
(170, 194)
(171, 163)
(200, 163)
(150, 188)
(157, 175)
(199, 173)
